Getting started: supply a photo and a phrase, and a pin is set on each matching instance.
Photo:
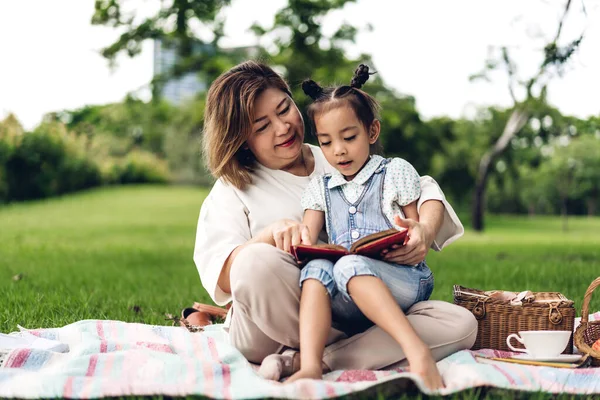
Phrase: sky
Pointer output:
(49, 51)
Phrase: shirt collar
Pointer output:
(337, 179)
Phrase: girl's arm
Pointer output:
(314, 221)
(410, 211)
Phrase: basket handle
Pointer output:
(585, 311)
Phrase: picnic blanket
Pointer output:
(112, 358)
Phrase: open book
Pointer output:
(370, 246)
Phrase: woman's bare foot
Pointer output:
(306, 373)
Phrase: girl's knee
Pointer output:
(347, 268)
(322, 271)
(320, 265)
(349, 263)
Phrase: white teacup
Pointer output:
(541, 343)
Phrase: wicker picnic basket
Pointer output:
(588, 331)
(497, 319)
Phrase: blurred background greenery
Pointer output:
(528, 158)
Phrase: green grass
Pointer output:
(519, 253)
(126, 254)
(99, 255)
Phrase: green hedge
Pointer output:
(41, 166)
(136, 167)
(51, 161)
(5, 152)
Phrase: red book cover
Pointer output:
(369, 246)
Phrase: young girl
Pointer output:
(365, 194)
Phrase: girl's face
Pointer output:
(344, 139)
(277, 130)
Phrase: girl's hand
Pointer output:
(415, 249)
(286, 233)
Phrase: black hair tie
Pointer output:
(312, 89)
(361, 75)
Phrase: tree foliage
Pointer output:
(175, 25)
(499, 160)
(555, 57)
(300, 46)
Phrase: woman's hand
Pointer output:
(415, 249)
(425, 367)
(286, 233)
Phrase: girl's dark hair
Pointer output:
(325, 99)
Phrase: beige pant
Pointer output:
(266, 304)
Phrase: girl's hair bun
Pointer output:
(312, 89)
(361, 75)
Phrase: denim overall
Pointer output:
(346, 223)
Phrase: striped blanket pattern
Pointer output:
(112, 358)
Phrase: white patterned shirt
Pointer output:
(401, 186)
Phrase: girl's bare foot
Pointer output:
(306, 373)
(277, 366)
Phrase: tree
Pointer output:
(535, 190)
(300, 48)
(136, 123)
(557, 174)
(586, 150)
(10, 131)
(10, 127)
(570, 172)
(535, 91)
(173, 25)
(301, 56)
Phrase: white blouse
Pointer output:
(229, 217)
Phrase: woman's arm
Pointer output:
(421, 200)
(282, 234)
(438, 226)
(421, 234)
(223, 231)
(222, 227)
(446, 225)
(224, 282)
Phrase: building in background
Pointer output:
(177, 90)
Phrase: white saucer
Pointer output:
(566, 358)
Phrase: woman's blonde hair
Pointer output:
(228, 117)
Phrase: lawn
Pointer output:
(126, 254)
(116, 253)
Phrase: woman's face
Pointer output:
(277, 130)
